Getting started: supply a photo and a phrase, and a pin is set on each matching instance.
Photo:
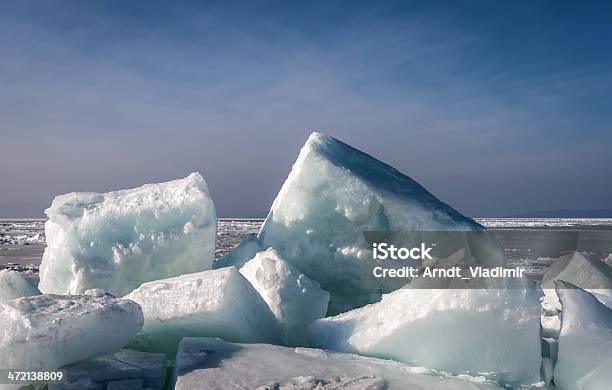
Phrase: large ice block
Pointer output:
(490, 333)
(211, 364)
(13, 285)
(333, 195)
(294, 299)
(118, 240)
(137, 369)
(218, 303)
(581, 269)
(585, 343)
(49, 331)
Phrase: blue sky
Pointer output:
(497, 108)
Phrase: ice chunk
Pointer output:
(212, 364)
(493, 333)
(118, 240)
(294, 299)
(126, 367)
(49, 331)
(333, 195)
(547, 370)
(550, 347)
(581, 269)
(13, 285)
(585, 341)
(219, 303)
(551, 325)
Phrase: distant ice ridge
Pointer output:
(13, 285)
(490, 333)
(119, 240)
(213, 364)
(219, 303)
(585, 342)
(333, 195)
(50, 331)
(294, 299)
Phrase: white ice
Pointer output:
(493, 333)
(118, 240)
(585, 343)
(294, 299)
(13, 285)
(213, 364)
(219, 303)
(138, 369)
(581, 269)
(334, 194)
(49, 331)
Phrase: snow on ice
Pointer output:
(493, 333)
(220, 303)
(212, 364)
(49, 331)
(118, 240)
(294, 299)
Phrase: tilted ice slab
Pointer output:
(585, 343)
(118, 240)
(13, 285)
(294, 299)
(138, 369)
(213, 364)
(49, 331)
(493, 333)
(582, 270)
(219, 303)
(333, 195)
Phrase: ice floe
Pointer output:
(118, 240)
(220, 303)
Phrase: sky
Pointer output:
(497, 108)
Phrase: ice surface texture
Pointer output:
(138, 369)
(205, 363)
(294, 299)
(49, 331)
(334, 194)
(118, 240)
(494, 333)
(585, 343)
(584, 271)
(13, 285)
(220, 303)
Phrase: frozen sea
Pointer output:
(529, 242)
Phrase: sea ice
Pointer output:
(333, 195)
(124, 368)
(49, 331)
(585, 342)
(213, 364)
(493, 333)
(294, 299)
(581, 269)
(220, 303)
(118, 240)
(13, 285)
